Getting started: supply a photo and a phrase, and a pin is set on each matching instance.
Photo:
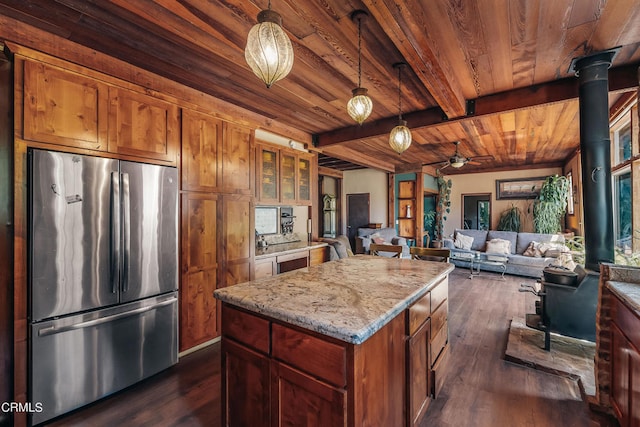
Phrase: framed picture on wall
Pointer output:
(521, 188)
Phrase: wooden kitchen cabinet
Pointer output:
(142, 126)
(236, 226)
(198, 314)
(268, 171)
(284, 176)
(304, 180)
(319, 380)
(303, 400)
(236, 164)
(65, 108)
(288, 177)
(201, 135)
(625, 364)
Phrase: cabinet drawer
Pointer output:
(317, 255)
(627, 321)
(246, 328)
(439, 371)
(418, 313)
(320, 358)
(439, 294)
(264, 268)
(438, 341)
(291, 257)
(439, 318)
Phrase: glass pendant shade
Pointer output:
(400, 137)
(269, 52)
(360, 106)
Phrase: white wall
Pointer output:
(486, 183)
(369, 181)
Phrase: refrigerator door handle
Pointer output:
(115, 231)
(126, 235)
(53, 330)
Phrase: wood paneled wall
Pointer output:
(6, 239)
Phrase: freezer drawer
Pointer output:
(78, 359)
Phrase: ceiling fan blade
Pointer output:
(474, 162)
(448, 164)
(441, 162)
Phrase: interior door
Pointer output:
(357, 214)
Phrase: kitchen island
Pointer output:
(358, 341)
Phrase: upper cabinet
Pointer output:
(69, 108)
(142, 126)
(268, 170)
(304, 179)
(288, 177)
(65, 108)
(235, 166)
(201, 134)
(284, 175)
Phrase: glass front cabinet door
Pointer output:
(304, 180)
(287, 177)
(268, 174)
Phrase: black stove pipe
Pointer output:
(595, 152)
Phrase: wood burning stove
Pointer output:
(567, 308)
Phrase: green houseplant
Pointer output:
(510, 219)
(429, 219)
(550, 205)
(443, 207)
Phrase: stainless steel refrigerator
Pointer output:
(103, 277)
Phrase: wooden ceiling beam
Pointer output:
(620, 79)
(406, 29)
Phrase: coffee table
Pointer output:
(495, 260)
(478, 259)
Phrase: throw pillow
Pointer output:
(378, 240)
(498, 246)
(533, 250)
(463, 242)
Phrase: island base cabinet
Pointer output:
(245, 384)
(301, 400)
(419, 374)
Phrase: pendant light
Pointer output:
(359, 106)
(269, 52)
(400, 137)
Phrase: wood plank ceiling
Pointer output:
(511, 56)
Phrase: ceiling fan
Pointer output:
(457, 160)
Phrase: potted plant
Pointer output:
(550, 205)
(429, 219)
(510, 219)
(443, 207)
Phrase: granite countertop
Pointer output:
(349, 299)
(629, 293)
(284, 248)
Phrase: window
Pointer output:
(622, 143)
(622, 209)
(571, 198)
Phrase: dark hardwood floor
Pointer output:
(481, 389)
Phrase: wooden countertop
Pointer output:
(349, 299)
(285, 248)
(629, 293)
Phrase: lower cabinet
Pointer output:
(302, 400)
(277, 374)
(625, 365)
(427, 344)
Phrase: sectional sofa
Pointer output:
(528, 253)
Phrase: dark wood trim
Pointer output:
(620, 78)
